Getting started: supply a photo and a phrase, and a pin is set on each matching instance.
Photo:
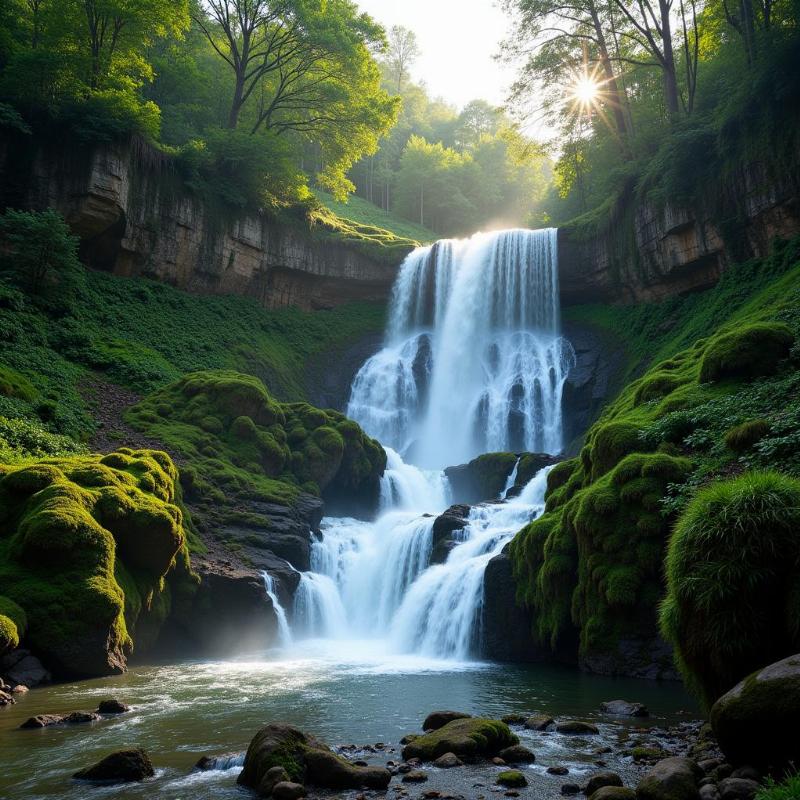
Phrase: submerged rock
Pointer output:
(517, 754)
(577, 727)
(438, 719)
(756, 721)
(124, 766)
(47, 720)
(539, 722)
(112, 706)
(623, 708)
(466, 737)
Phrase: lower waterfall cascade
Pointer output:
(473, 362)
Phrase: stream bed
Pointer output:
(348, 693)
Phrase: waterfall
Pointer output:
(473, 361)
(284, 632)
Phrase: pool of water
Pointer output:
(348, 694)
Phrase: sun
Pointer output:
(585, 90)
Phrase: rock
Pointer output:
(576, 727)
(622, 708)
(6, 699)
(79, 717)
(112, 706)
(21, 667)
(670, 779)
(599, 780)
(124, 766)
(286, 790)
(513, 719)
(613, 793)
(466, 737)
(756, 721)
(539, 722)
(709, 764)
(517, 754)
(558, 771)
(444, 526)
(305, 759)
(46, 720)
(438, 719)
(415, 776)
(751, 773)
(512, 778)
(738, 788)
(448, 761)
(271, 779)
(498, 762)
(226, 761)
(709, 792)
(20, 689)
(570, 789)
(409, 737)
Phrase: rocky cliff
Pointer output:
(646, 250)
(135, 216)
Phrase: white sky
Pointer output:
(457, 39)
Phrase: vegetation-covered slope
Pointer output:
(720, 400)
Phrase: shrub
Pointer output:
(742, 437)
(733, 580)
(787, 789)
(752, 350)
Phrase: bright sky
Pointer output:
(457, 39)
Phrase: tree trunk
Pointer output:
(670, 79)
(614, 94)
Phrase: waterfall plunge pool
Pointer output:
(345, 692)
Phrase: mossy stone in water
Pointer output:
(467, 738)
(512, 778)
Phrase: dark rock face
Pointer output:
(20, 666)
(445, 525)
(756, 722)
(505, 626)
(124, 766)
(635, 658)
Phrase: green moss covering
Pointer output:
(13, 624)
(86, 544)
(733, 588)
(512, 778)
(468, 737)
(750, 351)
(258, 448)
(741, 438)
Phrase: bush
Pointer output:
(787, 789)
(743, 437)
(748, 352)
(733, 580)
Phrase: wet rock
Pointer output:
(46, 720)
(21, 667)
(670, 779)
(79, 717)
(599, 780)
(512, 778)
(444, 526)
(6, 699)
(20, 689)
(623, 708)
(709, 792)
(112, 706)
(415, 776)
(756, 721)
(448, 761)
(498, 762)
(751, 773)
(271, 779)
(466, 737)
(226, 761)
(613, 793)
(124, 766)
(738, 788)
(513, 719)
(286, 790)
(568, 789)
(577, 727)
(438, 719)
(409, 737)
(517, 754)
(539, 722)
(558, 771)
(709, 764)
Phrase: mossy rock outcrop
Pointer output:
(86, 544)
(468, 738)
(241, 442)
(306, 760)
(13, 623)
(484, 478)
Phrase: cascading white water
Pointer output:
(284, 632)
(473, 361)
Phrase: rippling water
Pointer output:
(353, 695)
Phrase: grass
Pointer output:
(365, 213)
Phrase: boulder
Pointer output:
(513, 719)
(124, 766)
(670, 779)
(286, 790)
(599, 780)
(517, 754)
(613, 793)
(448, 761)
(112, 706)
(444, 526)
(539, 722)
(577, 727)
(415, 776)
(557, 771)
(568, 789)
(306, 760)
(47, 720)
(512, 778)
(273, 777)
(738, 788)
(21, 666)
(709, 792)
(466, 737)
(227, 761)
(756, 721)
(623, 708)
(438, 719)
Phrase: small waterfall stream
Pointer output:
(473, 362)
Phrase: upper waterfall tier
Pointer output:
(473, 361)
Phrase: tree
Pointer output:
(39, 252)
(476, 120)
(402, 53)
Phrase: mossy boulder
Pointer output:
(482, 479)
(512, 779)
(756, 722)
(671, 779)
(467, 738)
(732, 580)
(750, 351)
(86, 544)
(742, 437)
(306, 760)
(243, 444)
(13, 624)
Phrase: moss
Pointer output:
(752, 350)
(656, 385)
(742, 437)
(609, 442)
(512, 778)
(469, 737)
(75, 528)
(14, 384)
(13, 623)
(732, 580)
